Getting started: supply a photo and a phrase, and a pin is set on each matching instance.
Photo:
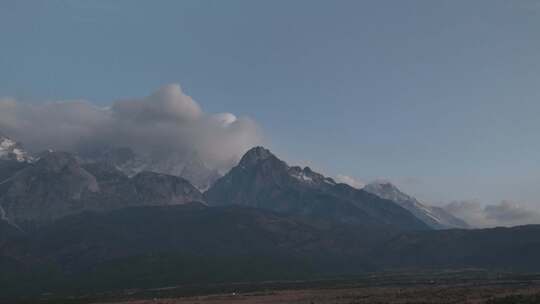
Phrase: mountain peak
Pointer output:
(387, 190)
(255, 155)
(264, 181)
(435, 217)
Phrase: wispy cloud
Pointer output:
(349, 180)
(505, 213)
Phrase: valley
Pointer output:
(438, 287)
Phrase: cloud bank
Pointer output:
(349, 180)
(505, 213)
(167, 121)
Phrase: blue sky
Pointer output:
(441, 97)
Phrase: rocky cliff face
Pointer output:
(186, 165)
(53, 187)
(162, 189)
(58, 185)
(264, 181)
(434, 217)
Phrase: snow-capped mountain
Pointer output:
(58, 185)
(262, 180)
(435, 217)
(310, 177)
(12, 150)
(186, 165)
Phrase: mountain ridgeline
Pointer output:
(57, 185)
(262, 180)
(434, 217)
(70, 224)
(187, 165)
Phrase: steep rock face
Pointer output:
(54, 186)
(145, 188)
(186, 165)
(264, 181)
(448, 219)
(57, 185)
(161, 189)
(434, 217)
(199, 174)
(116, 189)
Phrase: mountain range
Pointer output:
(72, 223)
(292, 182)
(262, 180)
(187, 165)
(57, 185)
(435, 217)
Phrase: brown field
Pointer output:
(496, 291)
(410, 295)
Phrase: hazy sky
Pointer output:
(441, 97)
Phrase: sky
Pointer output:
(440, 97)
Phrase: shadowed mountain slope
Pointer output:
(435, 217)
(158, 246)
(57, 185)
(262, 180)
(507, 249)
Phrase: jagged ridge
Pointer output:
(264, 181)
(435, 217)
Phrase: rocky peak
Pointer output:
(199, 174)
(387, 190)
(264, 181)
(256, 155)
(188, 165)
(434, 217)
(55, 186)
(308, 176)
(162, 189)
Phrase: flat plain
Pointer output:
(410, 295)
(402, 288)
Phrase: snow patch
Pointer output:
(302, 176)
(11, 150)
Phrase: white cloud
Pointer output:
(505, 213)
(165, 121)
(351, 181)
(167, 104)
(224, 119)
